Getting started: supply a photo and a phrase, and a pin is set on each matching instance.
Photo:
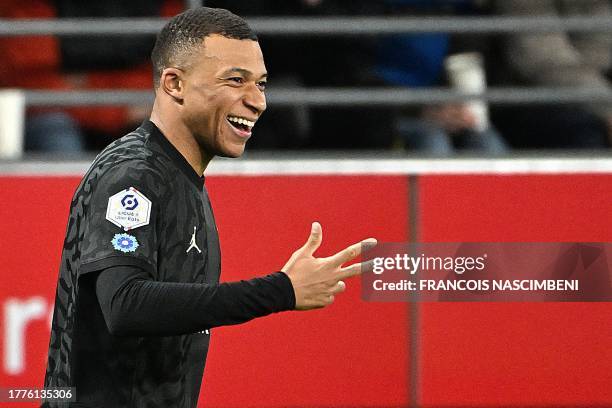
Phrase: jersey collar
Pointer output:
(177, 158)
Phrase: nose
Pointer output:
(255, 99)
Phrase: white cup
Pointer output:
(466, 73)
(12, 116)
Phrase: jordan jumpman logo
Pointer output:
(193, 243)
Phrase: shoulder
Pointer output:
(127, 163)
(133, 149)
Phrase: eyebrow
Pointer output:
(241, 71)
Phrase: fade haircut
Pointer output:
(184, 33)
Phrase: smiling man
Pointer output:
(138, 289)
(219, 88)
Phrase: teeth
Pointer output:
(241, 121)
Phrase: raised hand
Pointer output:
(316, 281)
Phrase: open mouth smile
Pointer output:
(242, 126)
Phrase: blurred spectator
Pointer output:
(414, 60)
(557, 59)
(345, 61)
(417, 60)
(32, 62)
(79, 63)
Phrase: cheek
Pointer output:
(198, 111)
(205, 111)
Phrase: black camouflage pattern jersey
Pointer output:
(140, 204)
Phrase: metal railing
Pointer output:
(313, 26)
(343, 96)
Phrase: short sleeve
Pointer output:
(121, 225)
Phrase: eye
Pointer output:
(262, 85)
(237, 80)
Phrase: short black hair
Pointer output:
(186, 31)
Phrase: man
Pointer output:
(558, 58)
(139, 285)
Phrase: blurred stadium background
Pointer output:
(366, 132)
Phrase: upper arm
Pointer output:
(121, 221)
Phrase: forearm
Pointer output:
(133, 305)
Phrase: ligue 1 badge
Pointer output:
(129, 209)
(125, 243)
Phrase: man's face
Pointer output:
(223, 94)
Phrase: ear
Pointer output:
(171, 82)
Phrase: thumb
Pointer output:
(314, 240)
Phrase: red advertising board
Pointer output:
(355, 353)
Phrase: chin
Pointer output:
(232, 155)
(232, 152)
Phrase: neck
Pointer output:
(181, 138)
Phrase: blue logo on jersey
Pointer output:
(125, 243)
(129, 202)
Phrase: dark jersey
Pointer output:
(140, 205)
